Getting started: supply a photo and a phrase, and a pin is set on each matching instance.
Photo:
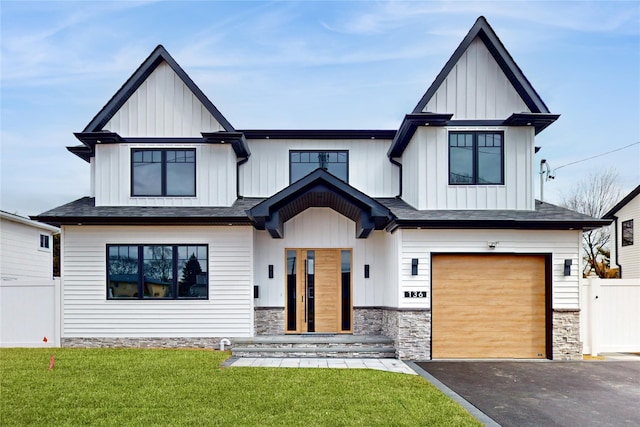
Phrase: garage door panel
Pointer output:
(488, 306)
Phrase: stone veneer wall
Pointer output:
(172, 342)
(410, 331)
(566, 335)
(367, 321)
(269, 321)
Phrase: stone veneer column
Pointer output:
(269, 321)
(566, 334)
(410, 331)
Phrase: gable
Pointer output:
(159, 99)
(167, 107)
(476, 88)
(481, 81)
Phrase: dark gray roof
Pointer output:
(545, 216)
(84, 211)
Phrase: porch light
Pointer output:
(414, 266)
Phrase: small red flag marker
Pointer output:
(45, 339)
(52, 362)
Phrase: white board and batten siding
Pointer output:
(425, 181)
(421, 244)
(317, 228)
(628, 256)
(163, 106)
(215, 176)
(476, 88)
(267, 170)
(88, 313)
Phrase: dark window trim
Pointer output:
(45, 242)
(318, 151)
(475, 134)
(163, 172)
(175, 272)
(628, 224)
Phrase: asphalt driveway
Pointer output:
(585, 393)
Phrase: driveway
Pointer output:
(585, 393)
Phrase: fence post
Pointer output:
(595, 324)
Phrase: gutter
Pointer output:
(615, 242)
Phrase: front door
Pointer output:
(318, 291)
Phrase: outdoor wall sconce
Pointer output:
(366, 271)
(256, 291)
(492, 245)
(567, 267)
(414, 266)
(270, 271)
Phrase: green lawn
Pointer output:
(188, 387)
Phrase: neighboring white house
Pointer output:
(625, 247)
(429, 234)
(26, 248)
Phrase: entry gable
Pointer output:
(481, 81)
(320, 189)
(165, 96)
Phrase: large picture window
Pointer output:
(476, 158)
(627, 233)
(302, 163)
(157, 271)
(163, 172)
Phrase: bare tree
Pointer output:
(595, 196)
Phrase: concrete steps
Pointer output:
(315, 345)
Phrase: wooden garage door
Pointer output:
(488, 306)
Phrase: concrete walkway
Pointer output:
(390, 365)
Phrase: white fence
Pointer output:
(30, 313)
(610, 315)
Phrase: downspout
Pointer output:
(238, 164)
(399, 165)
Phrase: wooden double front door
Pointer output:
(318, 291)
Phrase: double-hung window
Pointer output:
(476, 158)
(44, 242)
(302, 163)
(164, 172)
(157, 271)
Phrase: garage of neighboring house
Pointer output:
(490, 306)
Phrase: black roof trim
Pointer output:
(409, 126)
(317, 134)
(497, 224)
(539, 120)
(482, 29)
(626, 199)
(82, 151)
(156, 57)
(236, 139)
(320, 189)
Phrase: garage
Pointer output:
(489, 306)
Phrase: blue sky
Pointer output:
(308, 65)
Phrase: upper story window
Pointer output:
(302, 163)
(163, 172)
(45, 241)
(157, 271)
(627, 233)
(476, 158)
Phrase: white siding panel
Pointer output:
(426, 173)
(163, 106)
(21, 257)
(422, 243)
(324, 228)
(629, 256)
(267, 171)
(227, 312)
(476, 88)
(215, 176)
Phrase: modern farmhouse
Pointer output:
(428, 235)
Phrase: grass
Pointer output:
(188, 387)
